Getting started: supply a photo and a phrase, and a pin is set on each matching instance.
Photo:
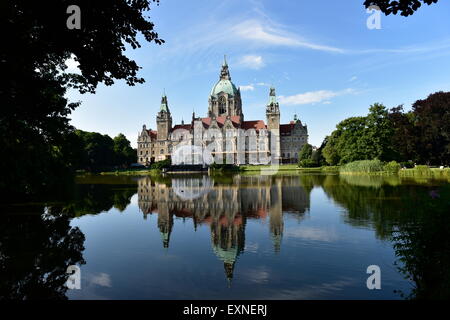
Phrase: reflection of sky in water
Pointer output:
(266, 241)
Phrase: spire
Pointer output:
(225, 73)
(272, 91)
(272, 96)
(164, 105)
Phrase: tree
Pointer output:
(405, 7)
(345, 143)
(432, 122)
(34, 128)
(377, 136)
(99, 151)
(405, 137)
(125, 154)
(305, 153)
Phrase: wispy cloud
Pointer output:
(253, 86)
(102, 279)
(313, 96)
(249, 87)
(252, 62)
(264, 33)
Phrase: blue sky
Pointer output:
(324, 62)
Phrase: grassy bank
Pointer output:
(425, 172)
(378, 168)
(287, 167)
(136, 172)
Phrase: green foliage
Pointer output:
(305, 152)
(97, 151)
(405, 7)
(393, 167)
(432, 128)
(159, 165)
(124, 153)
(366, 166)
(345, 143)
(40, 145)
(407, 164)
(224, 167)
(422, 135)
(307, 163)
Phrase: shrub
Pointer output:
(224, 167)
(407, 164)
(307, 163)
(161, 164)
(392, 167)
(363, 166)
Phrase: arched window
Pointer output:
(222, 105)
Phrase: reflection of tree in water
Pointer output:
(101, 194)
(415, 218)
(423, 244)
(35, 251)
(37, 243)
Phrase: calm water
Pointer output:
(231, 237)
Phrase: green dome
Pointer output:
(224, 86)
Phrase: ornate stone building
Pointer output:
(229, 137)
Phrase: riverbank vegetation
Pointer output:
(420, 136)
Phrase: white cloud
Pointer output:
(353, 78)
(252, 62)
(269, 34)
(102, 279)
(249, 87)
(313, 97)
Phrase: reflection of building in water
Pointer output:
(224, 207)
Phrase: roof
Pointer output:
(164, 105)
(287, 128)
(236, 120)
(253, 124)
(152, 133)
(225, 86)
(182, 126)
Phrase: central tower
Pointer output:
(225, 98)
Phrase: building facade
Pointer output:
(224, 132)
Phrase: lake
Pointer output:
(231, 236)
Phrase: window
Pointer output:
(161, 151)
(222, 105)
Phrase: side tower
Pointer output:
(164, 120)
(273, 111)
(273, 125)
